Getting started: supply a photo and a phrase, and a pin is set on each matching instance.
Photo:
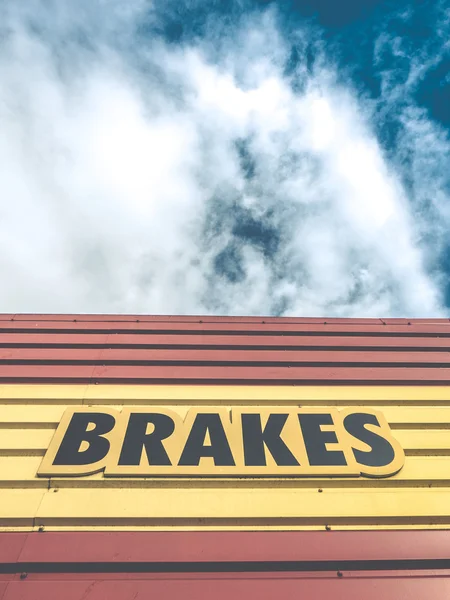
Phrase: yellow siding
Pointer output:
(418, 496)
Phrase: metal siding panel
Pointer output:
(211, 319)
(411, 328)
(221, 355)
(64, 373)
(428, 396)
(11, 545)
(76, 503)
(52, 590)
(199, 340)
(186, 374)
(204, 547)
(47, 416)
(194, 319)
(26, 441)
(210, 573)
(43, 355)
(45, 339)
(239, 507)
(419, 416)
(261, 375)
(238, 586)
(267, 341)
(19, 507)
(20, 470)
(27, 429)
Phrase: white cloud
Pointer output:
(122, 188)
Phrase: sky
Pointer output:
(286, 158)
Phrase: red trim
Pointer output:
(266, 586)
(82, 548)
(264, 374)
(204, 546)
(11, 545)
(223, 375)
(423, 573)
(212, 319)
(3, 587)
(72, 340)
(117, 575)
(219, 355)
(230, 325)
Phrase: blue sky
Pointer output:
(285, 158)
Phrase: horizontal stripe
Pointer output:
(39, 571)
(48, 415)
(212, 357)
(129, 394)
(237, 342)
(234, 508)
(29, 439)
(309, 557)
(197, 319)
(197, 508)
(264, 374)
(260, 375)
(264, 586)
(209, 319)
(411, 328)
(147, 547)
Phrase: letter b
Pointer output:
(77, 432)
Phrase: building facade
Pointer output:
(153, 456)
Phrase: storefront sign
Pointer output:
(223, 442)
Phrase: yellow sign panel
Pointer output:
(418, 496)
(220, 442)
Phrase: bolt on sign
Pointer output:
(223, 442)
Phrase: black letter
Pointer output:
(315, 440)
(136, 438)
(254, 439)
(195, 447)
(69, 450)
(382, 453)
